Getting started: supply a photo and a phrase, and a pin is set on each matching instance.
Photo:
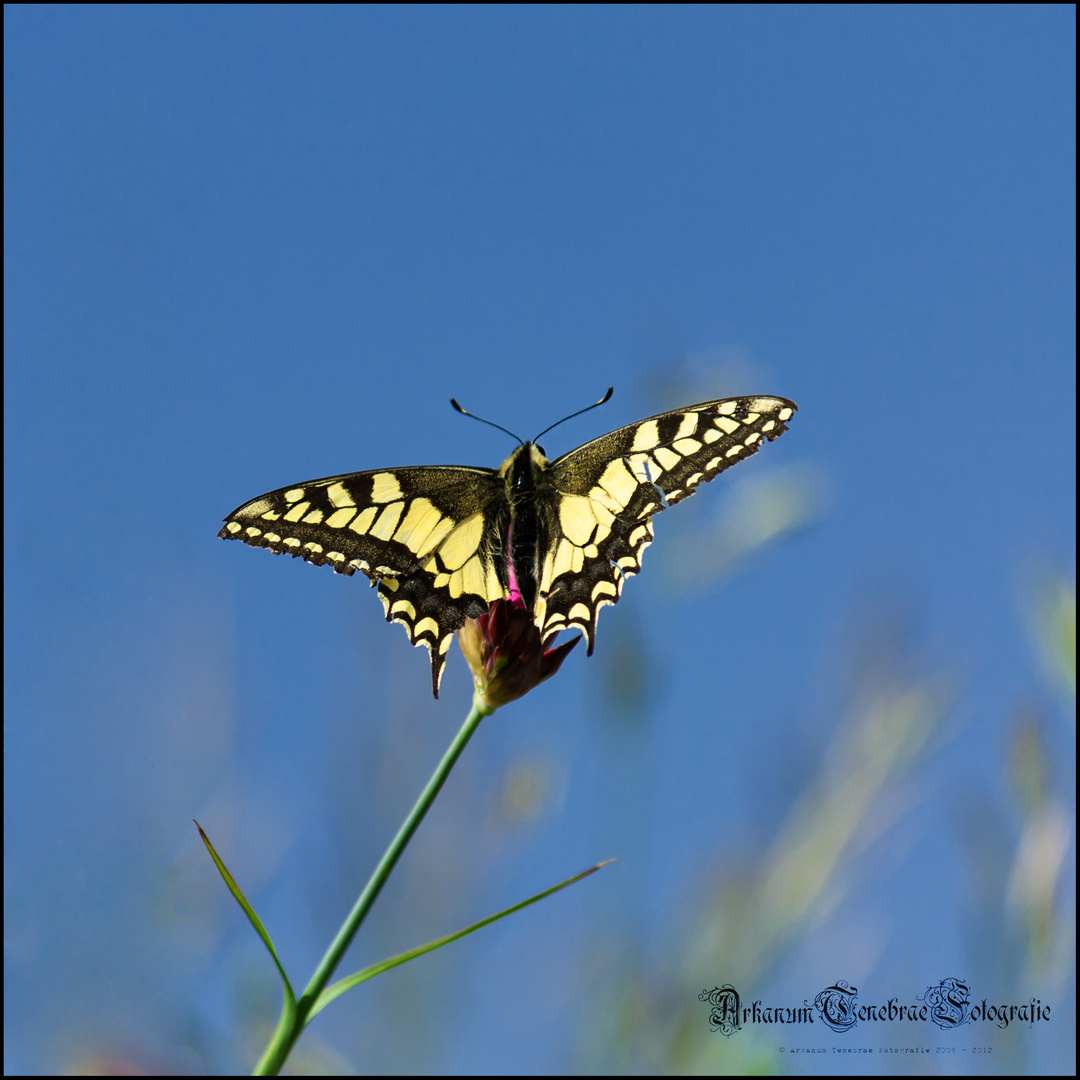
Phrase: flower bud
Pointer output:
(506, 654)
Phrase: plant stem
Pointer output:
(284, 1038)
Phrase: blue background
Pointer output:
(825, 729)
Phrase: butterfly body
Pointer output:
(442, 542)
(527, 491)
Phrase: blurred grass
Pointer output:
(748, 920)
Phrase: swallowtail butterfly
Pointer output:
(438, 540)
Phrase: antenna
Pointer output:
(483, 421)
(595, 404)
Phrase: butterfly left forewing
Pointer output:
(428, 537)
(602, 497)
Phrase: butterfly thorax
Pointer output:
(523, 472)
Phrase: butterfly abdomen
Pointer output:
(523, 472)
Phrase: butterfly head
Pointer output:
(521, 469)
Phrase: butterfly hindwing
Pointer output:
(430, 538)
(602, 496)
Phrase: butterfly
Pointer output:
(442, 542)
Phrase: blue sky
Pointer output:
(248, 246)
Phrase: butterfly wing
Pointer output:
(430, 538)
(603, 495)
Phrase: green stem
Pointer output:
(284, 1038)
